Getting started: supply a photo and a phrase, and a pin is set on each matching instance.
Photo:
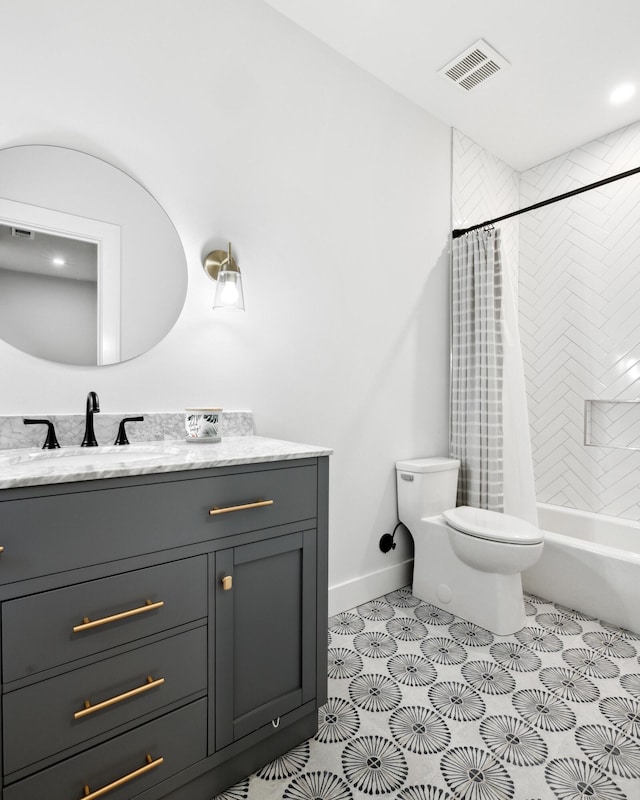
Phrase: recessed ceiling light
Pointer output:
(622, 93)
(58, 262)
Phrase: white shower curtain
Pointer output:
(519, 480)
(489, 425)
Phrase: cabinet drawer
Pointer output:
(40, 720)
(55, 530)
(37, 630)
(179, 738)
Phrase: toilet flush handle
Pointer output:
(406, 476)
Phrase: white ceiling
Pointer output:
(565, 57)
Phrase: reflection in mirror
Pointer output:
(83, 251)
(37, 244)
(48, 294)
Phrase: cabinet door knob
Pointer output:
(227, 583)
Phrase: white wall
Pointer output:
(335, 194)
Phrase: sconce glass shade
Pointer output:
(222, 268)
(229, 292)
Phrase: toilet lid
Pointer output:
(433, 464)
(493, 525)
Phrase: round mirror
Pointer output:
(92, 270)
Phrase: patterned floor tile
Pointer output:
(426, 706)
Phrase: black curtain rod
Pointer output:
(456, 234)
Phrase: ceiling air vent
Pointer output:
(22, 233)
(475, 65)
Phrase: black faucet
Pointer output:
(93, 407)
(122, 438)
(51, 442)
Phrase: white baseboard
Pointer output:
(357, 591)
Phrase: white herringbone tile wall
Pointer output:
(484, 187)
(580, 324)
(579, 302)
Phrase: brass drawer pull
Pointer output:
(213, 512)
(227, 583)
(1, 549)
(90, 709)
(87, 623)
(151, 764)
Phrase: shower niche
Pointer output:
(612, 423)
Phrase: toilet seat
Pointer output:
(493, 526)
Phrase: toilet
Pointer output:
(467, 560)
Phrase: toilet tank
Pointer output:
(426, 486)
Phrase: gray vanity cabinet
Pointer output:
(265, 633)
(188, 652)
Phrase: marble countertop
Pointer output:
(30, 467)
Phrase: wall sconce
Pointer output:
(222, 268)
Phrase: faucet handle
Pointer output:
(121, 438)
(51, 442)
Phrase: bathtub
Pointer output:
(591, 563)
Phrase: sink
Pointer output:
(96, 458)
(82, 459)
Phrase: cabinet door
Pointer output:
(265, 624)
